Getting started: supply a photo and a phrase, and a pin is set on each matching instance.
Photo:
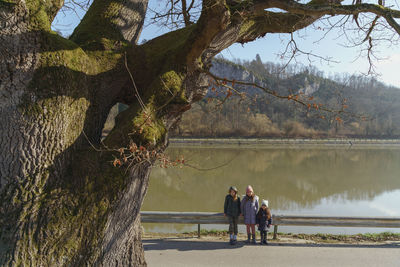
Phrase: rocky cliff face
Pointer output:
(232, 71)
(229, 70)
(309, 88)
(304, 83)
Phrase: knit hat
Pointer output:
(264, 203)
(233, 188)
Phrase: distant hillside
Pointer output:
(261, 115)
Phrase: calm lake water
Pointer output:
(347, 181)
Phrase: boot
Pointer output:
(234, 239)
(248, 238)
(265, 238)
(253, 238)
(262, 237)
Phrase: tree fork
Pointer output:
(74, 207)
(62, 201)
(86, 211)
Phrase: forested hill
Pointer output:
(376, 106)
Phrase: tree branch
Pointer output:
(120, 20)
(324, 9)
(307, 102)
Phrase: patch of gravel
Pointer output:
(288, 238)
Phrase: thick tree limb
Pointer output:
(114, 21)
(324, 9)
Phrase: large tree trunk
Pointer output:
(62, 202)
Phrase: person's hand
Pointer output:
(225, 214)
(257, 225)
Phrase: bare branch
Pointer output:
(320, 10)
(137, 95)
(297, 98)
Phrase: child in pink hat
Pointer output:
(249, 208)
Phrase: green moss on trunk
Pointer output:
(63, 208)
(42, 13)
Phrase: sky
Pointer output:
(347, 59)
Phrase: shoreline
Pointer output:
(344, 142)
(214, 235)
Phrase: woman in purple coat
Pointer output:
(249, 208)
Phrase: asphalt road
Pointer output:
(206, 252)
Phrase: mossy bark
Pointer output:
(62, 202)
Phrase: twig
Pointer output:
(134, 84)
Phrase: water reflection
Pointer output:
(289, 178)
(326, 181)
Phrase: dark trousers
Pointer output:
(263, 235)
(233, 224)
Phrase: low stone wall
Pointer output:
(285, 141)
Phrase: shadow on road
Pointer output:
(188, 245)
